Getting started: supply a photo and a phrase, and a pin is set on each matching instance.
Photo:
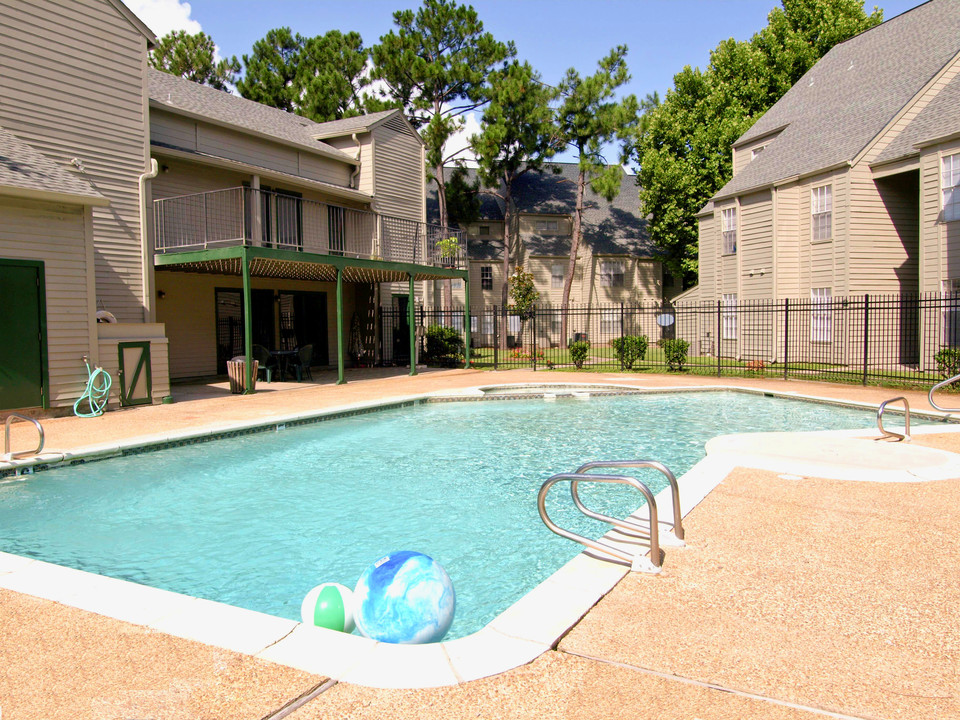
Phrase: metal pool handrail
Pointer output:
(7, 455)
(593, 544)
(936, 387)
(653, 464)
(906, 428)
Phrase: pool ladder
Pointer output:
(7, 454)
(639, 562)
(906, 410)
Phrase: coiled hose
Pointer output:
(96, 394)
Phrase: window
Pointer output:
(821, 315)
(548, 226)
(556, 276)
(951, 187)
(611, 274)
(456, 284)
(488, 323)
(728, 227)
(821, 213)
(951, 312)
(728, 325)
(473, 323)
(484, 229)
(610, 322)
(513, 324)
(486, 277)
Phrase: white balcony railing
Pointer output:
(260, 218)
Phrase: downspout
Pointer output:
(353, 175)
(146, 251)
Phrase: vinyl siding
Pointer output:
(55, 235)
(111, 335)
(347, 145)
(399, 171)
(940, 240)
(708, 257)
(756, 246)
(744, 154)
(787, 258)
(824, 263)
(89, 62)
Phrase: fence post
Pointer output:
(866, 334)
(719, 305)
(496, 337)
(621, 337)
(786, 337)
(534, 331)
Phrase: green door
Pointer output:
(23, 344)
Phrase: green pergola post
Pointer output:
(247, 323)
(411, 321)
(340, 378)
(466, 322)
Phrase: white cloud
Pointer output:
(163, 16)
(461, 140)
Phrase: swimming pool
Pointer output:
(257, 520)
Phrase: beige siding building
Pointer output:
(844, 188)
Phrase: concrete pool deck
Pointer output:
(618, 661)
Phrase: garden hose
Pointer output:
(97, 392)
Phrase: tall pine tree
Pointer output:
(192, 58)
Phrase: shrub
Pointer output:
(629, 349)
(756, 366)
(444, 346)
(675, 353)
(578, 352)
(948, 361)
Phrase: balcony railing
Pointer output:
(261, 218)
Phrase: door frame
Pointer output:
(42, 311)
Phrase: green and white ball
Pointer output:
(329, 605)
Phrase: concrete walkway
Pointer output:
(796, 597)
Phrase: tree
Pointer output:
(436, 64)
(523, 292)
(517, 136)
(192, 58)
(590, 117)
(683, 143)
(318, 77)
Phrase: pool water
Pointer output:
(257, 520)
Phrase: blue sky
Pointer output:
(662, 35)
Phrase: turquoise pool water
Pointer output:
(256, 521)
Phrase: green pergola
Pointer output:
(248, 262)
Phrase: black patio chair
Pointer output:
(301, 362)
(268, 363)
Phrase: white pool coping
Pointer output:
(530, 627)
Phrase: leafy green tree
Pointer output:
(523, 292)
(683, 143)
(192, 58)
(318, 77)
(517, 136)
(435, 65)
(589, 117)
(463, 198)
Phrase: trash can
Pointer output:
(237, 372)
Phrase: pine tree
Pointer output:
(192, 58)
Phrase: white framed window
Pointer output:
(556, 275)
(950, 185)
(611, 274)
(821, 315)
(486, 277)
(728, 230)
(456, 321)
(548, 226)
(473, 323)
(951, 312)
(821, 213)
(488, 323)
(484, 230)
(610, 322)
(728, 319)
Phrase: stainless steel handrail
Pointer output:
(936, 387)
(675, 489)
(7, 455)
(906, 424)
(593, 544)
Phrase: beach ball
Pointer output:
(329, 605)
(405, 597)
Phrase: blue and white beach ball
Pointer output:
(405, 597)
(330, 606)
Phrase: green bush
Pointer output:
(578, 352)
(629, 349)
(948, 361)
(444, 346)
(675, 353)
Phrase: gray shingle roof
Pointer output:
(939, 118)
(175, 93)
(25, 168)
(608, 228)
(847, 98)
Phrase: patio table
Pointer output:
(283, 361)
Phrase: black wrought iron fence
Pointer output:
(910, 339)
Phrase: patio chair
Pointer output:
(302, 361)
(267, 362)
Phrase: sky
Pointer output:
(662, 35)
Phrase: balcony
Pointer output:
(285, 221)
